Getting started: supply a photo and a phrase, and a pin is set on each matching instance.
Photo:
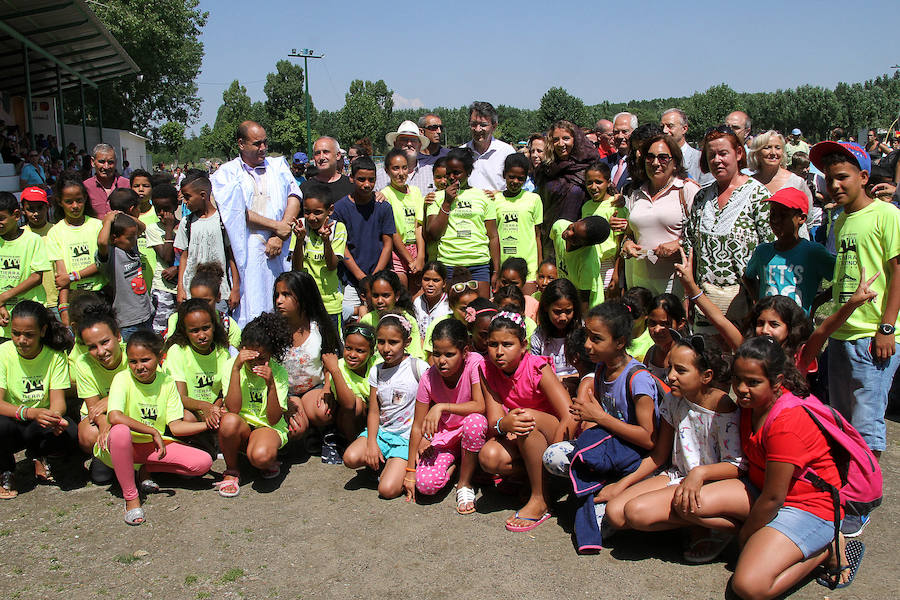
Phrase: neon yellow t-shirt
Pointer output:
(427, 346)
(516, 220)
(640, 345)
(231, 327)
(358, 384)
(93, 379)
(19, 258)
(48, 280)
(415, 344)
(606, 209)
(148, 255)
(254, 393)
(408, 210)
(580, 266)
(314, 263)
(465, 241)
(155, 404)
(868, 238)
(202, 374)
(76, 246)
(29, 381)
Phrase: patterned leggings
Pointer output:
(432, 470)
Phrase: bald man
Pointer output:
(258, 199)
(604, 130)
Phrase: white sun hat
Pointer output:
(407, 128)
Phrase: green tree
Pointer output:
(708, 109)
(558, 104)
(288, 134)
(367, 112)
(284, 91)
(171, 135)
(163, 39)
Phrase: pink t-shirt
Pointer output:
(433, 390)
(522, 389)
(99, 196)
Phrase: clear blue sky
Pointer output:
(443, 53)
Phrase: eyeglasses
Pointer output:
(460, 287)
(434, 127)
(662, 158)
(480, 124)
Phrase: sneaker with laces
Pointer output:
(853, 525)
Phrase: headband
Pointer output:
(512, 316)
(472, 314)
(404, 322)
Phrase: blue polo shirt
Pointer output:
(365, 224)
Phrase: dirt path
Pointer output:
(320, 532)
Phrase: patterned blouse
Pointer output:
(724, 239)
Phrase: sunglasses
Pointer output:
(434, 127)
(366, 332)
(662, 158)
(460, 287)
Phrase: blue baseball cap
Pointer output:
(300, 158)
(854, 152)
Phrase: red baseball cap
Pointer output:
(34, 194)
(792, 198)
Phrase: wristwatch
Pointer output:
(886, 329)
(72, 276)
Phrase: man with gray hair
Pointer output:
(604, 129)
(105, 180)
(431, 126)
(624, 124)
(675, 123)
(739, 121)
(490, 153)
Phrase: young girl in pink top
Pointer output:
(527, 409)
(449, 407)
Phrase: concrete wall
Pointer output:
(133, 147)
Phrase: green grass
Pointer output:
(231, 575)
(5, 532)
(127, 559)
(190, 580)
(202, 595)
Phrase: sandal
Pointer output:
(532, 523)
(135, 516)
(465, 495)
(229, 488)
(8, 489)
(273, 472)
(854, 551)
(42, 471)
(715, 542)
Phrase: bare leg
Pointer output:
(770, 564)
(532, 448)
(355, 454)
(723, 505)
(616, 510)
(262, 448)
(233, 435)
(390, 484)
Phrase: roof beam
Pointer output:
(21, 38)
(38, 11)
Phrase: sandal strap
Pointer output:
(465, 495)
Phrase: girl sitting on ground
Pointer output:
(256, 391)
(388, 295)
(666, 313)
(479, 314)
(393, 385)
(349, 379)
(527, 409)
(206, 285)
(449, 415)
(559, 313)
(433, 303)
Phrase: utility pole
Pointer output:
(306, 54)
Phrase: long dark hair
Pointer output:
(180, 337)
(56, 336)
(71, 179)
(775, 362)
(309, 302)
(403, 301)
(559, 289)
(798, 324)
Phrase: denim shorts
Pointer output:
(479, 272)
(809, 532)
(390, 444)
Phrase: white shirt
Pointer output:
(425, 317)
(421, 177)
(691, 161)
(488, 171)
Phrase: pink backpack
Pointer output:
(861, 482)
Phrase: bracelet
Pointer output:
(497, 426)
(76, 275)
(446, 212)
(692, 298)
(62, 308)
(407, 479)
(409, 470)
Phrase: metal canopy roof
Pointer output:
(64, 33)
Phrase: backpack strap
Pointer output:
(629, 388)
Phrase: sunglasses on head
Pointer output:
(719, 129)
(460, 287)
(363, 331)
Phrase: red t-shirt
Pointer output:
(792, 438)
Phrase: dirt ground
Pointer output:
(320, 532)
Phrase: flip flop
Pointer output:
(465, 495)
(716, 541)
(854, 551)
(273, 472)
(8, 489)
(135, 516)
(534, 523)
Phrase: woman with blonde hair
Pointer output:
(769, 161)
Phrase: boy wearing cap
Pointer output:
(23, 260)
(862, 353)
(298, 167)
(789, 266)
(36, 208)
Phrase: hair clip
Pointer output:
(512, 316)
(472, 314)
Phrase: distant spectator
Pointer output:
(490, 153)
(100, 186)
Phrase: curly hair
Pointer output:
(95, 314)
(208, 275)
(146, 338)
(269, 331)
(618, 317)
(180, 337)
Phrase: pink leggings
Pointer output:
(125, 453)
(432, 470)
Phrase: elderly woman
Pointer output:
(536, 150)
(727, 221)
(657, 211)
(768, 159)
(560, 179)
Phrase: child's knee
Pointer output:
(229, 424)
(262, 455)
(615, 514)
(474, 432)
(748, 586)
(388, 489)
(491, 457)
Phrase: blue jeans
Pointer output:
(858, 386)
(130, 329)
(809, 532)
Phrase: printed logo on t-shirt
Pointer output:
(256, 396)
(138, 285)
(204, 380)
(33, 387)
(10, 263)
(399, 397)
(149, 413)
